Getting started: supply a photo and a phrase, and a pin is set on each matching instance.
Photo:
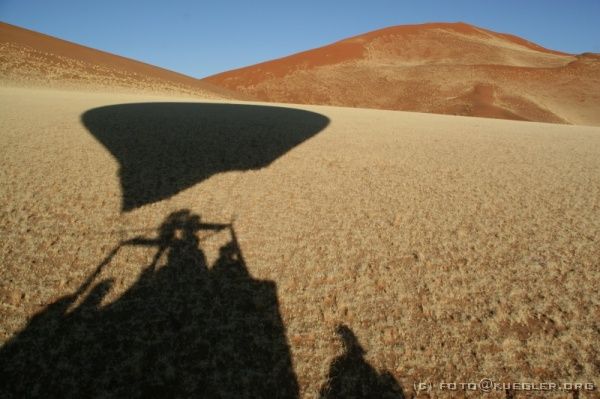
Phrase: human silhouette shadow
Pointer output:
(351, 376)
(164, 148)
(181, 330)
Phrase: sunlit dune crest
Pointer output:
(33, 59)
(447, 68)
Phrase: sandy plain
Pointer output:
(451, 248)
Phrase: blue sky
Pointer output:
(199, 38)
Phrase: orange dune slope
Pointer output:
(34, 59)
(448, 68)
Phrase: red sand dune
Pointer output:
(450, 68)
(34, 58)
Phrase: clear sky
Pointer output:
(200, 38)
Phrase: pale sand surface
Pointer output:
(454, 248)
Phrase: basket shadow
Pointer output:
(181, 330)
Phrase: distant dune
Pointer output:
(444, 68)
(448, 68)
(29, 58)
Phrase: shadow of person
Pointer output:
(350, 376)
(164, 148)
(181, 330)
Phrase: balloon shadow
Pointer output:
(164, 148)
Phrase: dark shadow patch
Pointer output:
(350, 376)
(181, 330)
(164, 148)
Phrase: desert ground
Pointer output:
(328, 244)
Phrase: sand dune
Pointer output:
(382, 246)
(30, 58)
(441, 68)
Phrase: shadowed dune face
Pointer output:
(164, 148)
